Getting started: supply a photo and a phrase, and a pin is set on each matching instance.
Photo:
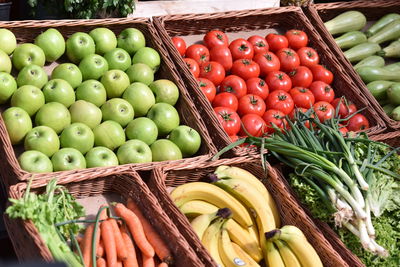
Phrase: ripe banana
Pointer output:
(214, 195)
(289, 258)
(210, 239)
(273, 257)
(195, 208)
(224, 172)
(201, 223)
(243, 255)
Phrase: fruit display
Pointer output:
(254, 83)
(238, 222)
(103, 104)
(374, 51)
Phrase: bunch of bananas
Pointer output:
(236, 219)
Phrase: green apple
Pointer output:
(134, 151)
(92, 91)
(43, 139)
(165, 91)
(131, 40)
(100, 157)
(118, 110)
(140, 72)
(148, 56)
(187, 139)
(27, 54)
(5, 60)
(59, 90)
(32, 75)
(68, 72)
(165, 117)
(78, 136)
(93, 67)
(67, 159)
(118, 59)
(29, 98)
(54, 115)
(79, 45)
(104, 39)
(35, 162)
(8, 42)
(109, 134)
(140, 97)
(164, 149)
(143, 129)
(8, 85)
(115, 82)
(52, 43)
(18, 123)
(86, 113)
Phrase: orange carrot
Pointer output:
(119, 242)
(119, 264)
(107, 235)
(163, 264)
(148, 261)
(131, 260)
(100, 262)
(154, 238)
(100, 249)
(136, 229)
(87, 246)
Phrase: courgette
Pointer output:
(370, 74)
(373, 61)
(388, 33)
(378, 89)
(346, 22)
(392, 50)
(350, 39)
(393, 67)
(361, 51)
(382, 22)
(393, 93)
(388, 108)
(395, 114)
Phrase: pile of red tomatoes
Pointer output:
(259, 81)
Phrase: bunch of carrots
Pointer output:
(128, 240)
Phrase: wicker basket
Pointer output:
(26, 31)
(27, 242)
(247, 22)
(291, 212)
(373, 10)
(391, 138)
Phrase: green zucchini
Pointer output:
(393, 93)
(395, 114)
(370, 74)
(373, 61)
(378, 89)
(382, 22)
(393, 67)
(346, 22)
(350, 39)
(392, 50)
(388, 33)
(361, 51)
(388, 108)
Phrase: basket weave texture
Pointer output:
(373, 10)
(28, 244)
(26, 31)
(289, 209)
(283, 19)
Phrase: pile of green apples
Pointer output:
(100, 106)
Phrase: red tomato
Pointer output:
(352, 108)
(288, 58)
(301, 76)
(358, 122)
(215, 38)
(280, 100)
(343, 129)
(278, 80)
(322, 91)
(259, 44)
(302, 97)
(222, 54)
(344, 108)
(320, 73)
(251, 104)
(253, 125)
(294, 114)
(245, 68)
(213, 71)
(257, 86)
(268, 62)
(179, 44)
(193, 66)
(296, 38)
(235, 85)
(226, 99)
(229, 120)
(241, 49)
(208, 88)
(198, 52)
(234, 138)
(324, 110)
(274, 117)
(276, 41)
(308, 56)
